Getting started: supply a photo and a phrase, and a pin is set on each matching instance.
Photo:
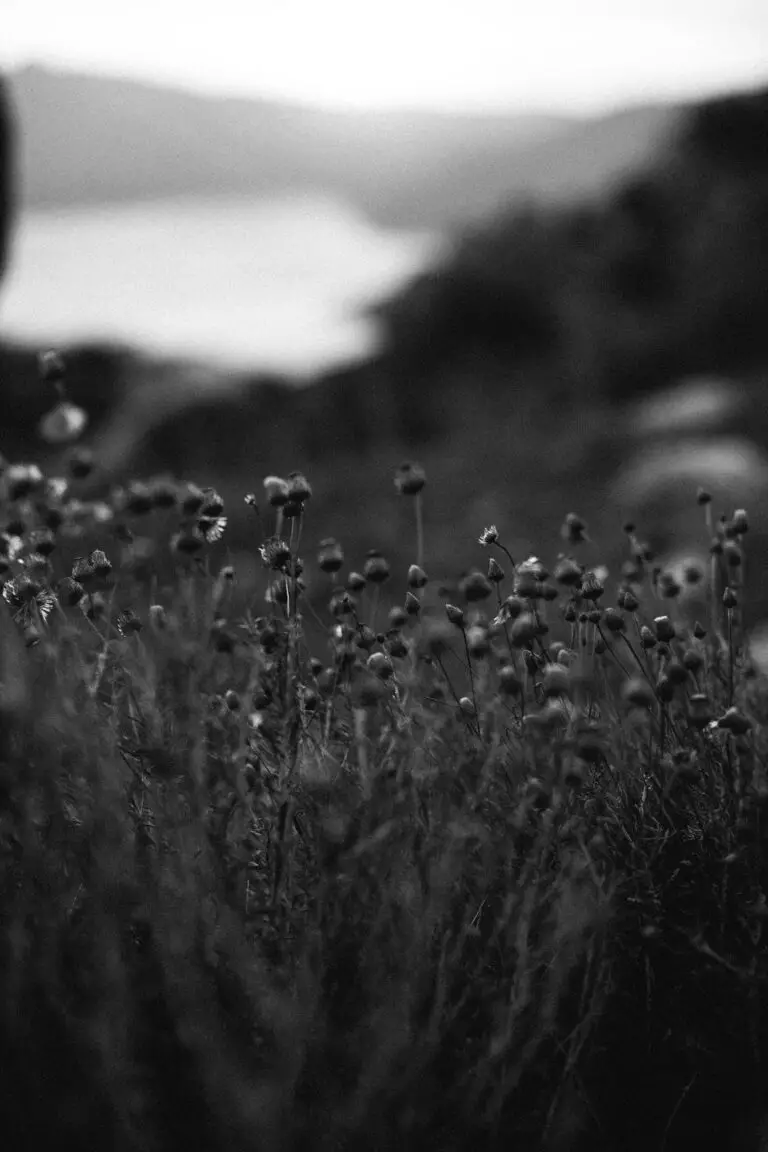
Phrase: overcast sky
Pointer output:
(578, 55)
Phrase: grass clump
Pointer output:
(487, 872)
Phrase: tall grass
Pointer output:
(457, 884)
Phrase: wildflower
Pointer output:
(509, 681)
(276, 491)
(128, 622)
(591, 587)
(83, 570)
(556, 680)
(330, 556)
(81, 463)
(63, 423)
(368, 691)
(100, 563)
(342, 603)
(455, 615)
(158, 617)
(163, 492)
(397, 647)
(638, 693)
(466, 706)
(495, 571)
(512, 607)
(477, 641)
(275, 554)
(191, 499)
(676, 672)
(740, 522)
(574, 529)
(211, 528)
(299, 489)
(138, 500)
(417, 577)
(699, 710)
(614, 621)
(703, 497)
(699, 630)
(187, 541)
(412, 604)
(410, 479)
(51, 366)
(213, 505)
(525, 629)
(376, 568)
(730, 599)
(475, 586)
(665, 629)
(22, 479)
(381, 665)
(355, 582)
(568, 572)
(398, 617)
(70, 591)
(735, 721)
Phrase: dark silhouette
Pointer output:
(7, 169)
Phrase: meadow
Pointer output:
(460, 867)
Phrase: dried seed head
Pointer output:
(489, 536)
(699, 710)
(128, 622)
(509, 681)
(475, 586)
(495, 571)
(232, 700)
(740, 521)
(703, 497)
(676, 672)
(355, 582)
(574, 529)
(412, 604)
(647, 638)
(275, 554)
(478, 641)
(330, 556)
(376, 568)
(614, 621)
(591, 587)
(665, 629)
(455, 615)
(692, 660)
(417, 577)
(568, 572)
(397, 617)
(410, 478)
(735, 721)
(70, 592)
(276, 490)
(556, 680)
(381, 665)
(298, 487)
(524, 630)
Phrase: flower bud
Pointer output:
(417, 577)
(410, 479)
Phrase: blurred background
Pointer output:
(525, 245)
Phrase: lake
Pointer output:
(274, 285)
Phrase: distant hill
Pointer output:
(87, 139)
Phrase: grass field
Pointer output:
(475, 874)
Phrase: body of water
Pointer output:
(265, 285)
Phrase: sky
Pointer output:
(522, 55)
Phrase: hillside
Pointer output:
(87, 139)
